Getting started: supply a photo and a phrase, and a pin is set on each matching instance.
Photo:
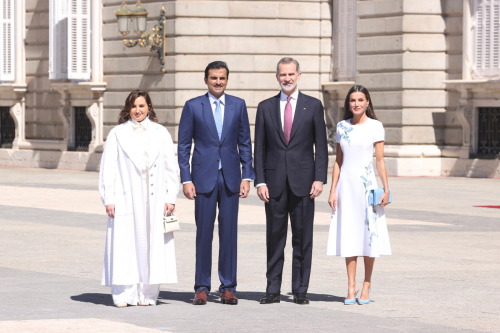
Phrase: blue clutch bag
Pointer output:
(375, 195)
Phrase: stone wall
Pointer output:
(251, 36)
(453, 14)
(402, 59)
(409, 53)
(42, 103)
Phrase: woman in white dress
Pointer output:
(356, 228)
(138, 183)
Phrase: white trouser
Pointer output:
(135, 293)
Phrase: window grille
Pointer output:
(488, 143)
(83, 130)
(7, 128)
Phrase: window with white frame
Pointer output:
(7, 55)
(486, 38)
(69, 40)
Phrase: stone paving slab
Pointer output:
(442, 276)
(72, 325)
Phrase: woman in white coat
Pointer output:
(138, 183)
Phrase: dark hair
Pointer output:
(287, 60)
(125, 113)
(216, 65)
(370, 112)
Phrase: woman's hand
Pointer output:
(110, 210)
(332, 200)
(169, 208)
(384, 201)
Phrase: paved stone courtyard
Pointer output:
(443, 275)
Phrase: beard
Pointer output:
(288, 88)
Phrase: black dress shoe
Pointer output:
(300, 299)
(270, 298)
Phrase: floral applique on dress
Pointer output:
(344, 132)
(370, 214)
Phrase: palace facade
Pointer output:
(432, 67)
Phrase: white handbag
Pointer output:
(170, 223)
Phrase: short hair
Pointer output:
(216, 65)
(124, 115)
(287, 60)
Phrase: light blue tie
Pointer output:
(218, 117)
(218, 123)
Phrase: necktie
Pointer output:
(218, 117)
(287, 127)
(218, 123)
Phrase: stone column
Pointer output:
(333, 97)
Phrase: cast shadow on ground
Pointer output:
(95, 298)
(187, 297)
(213, 297)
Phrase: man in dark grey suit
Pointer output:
(291, 161)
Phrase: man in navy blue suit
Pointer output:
(219, 174)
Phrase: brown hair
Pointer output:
(370, 112)
(125, 113)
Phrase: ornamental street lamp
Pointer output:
(134, 21)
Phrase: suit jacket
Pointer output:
(234, 148)
(305, 158)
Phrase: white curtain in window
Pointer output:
(69, 39)
(486, 38)
(7, 51)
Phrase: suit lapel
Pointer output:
(228, 117)
(209, 117)
(300, 112)
(275, 116)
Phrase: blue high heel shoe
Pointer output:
(349, 301)
(363, 301)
